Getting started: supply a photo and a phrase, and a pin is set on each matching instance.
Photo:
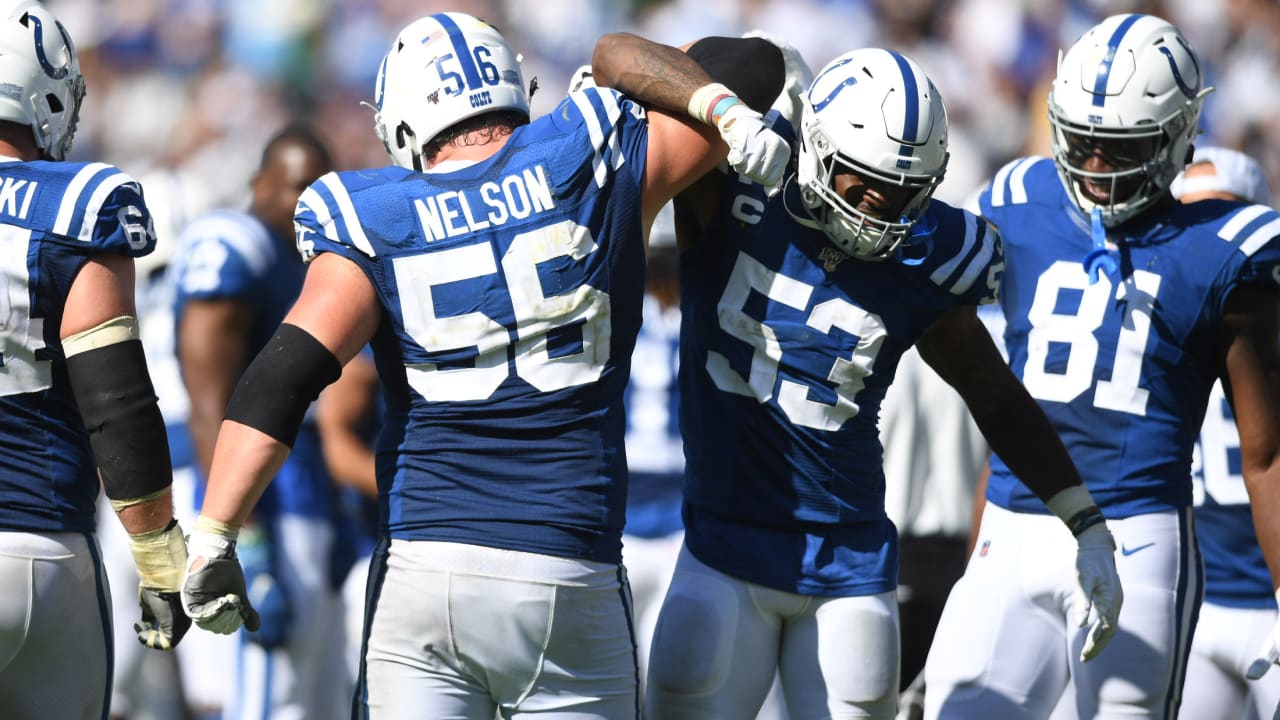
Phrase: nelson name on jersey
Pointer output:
(515, 197)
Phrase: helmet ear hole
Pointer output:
(55, 105)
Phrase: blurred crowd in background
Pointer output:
(183, 93)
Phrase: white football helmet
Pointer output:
(876, 113)
(40, 82)
(1132, 87)
(443, 69)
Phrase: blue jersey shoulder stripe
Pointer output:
(347, 221)
(70, 209)
(600, 111)
(1251, 227)
(105, 186)
(333, 214)
(980, 259)
(1009, 185)
(948, 268)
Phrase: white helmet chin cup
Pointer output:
(874, 112)
(443, 69)
(1129, 78)
(40, 82)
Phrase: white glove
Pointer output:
(1097, 587)
(1268, 654)
(213, 591)
(755, 151)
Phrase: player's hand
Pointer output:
(756, 152)
(265, 593)
(213, 592)
(1097, 588)
(163, 622)
(1268, 654)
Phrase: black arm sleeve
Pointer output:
(751, 67)
(281, 383)
(120, 411)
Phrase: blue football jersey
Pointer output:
(54, 216)
(787, 349)
(231, 255)
(1235, 571)
(1123, 366)
(512, 291)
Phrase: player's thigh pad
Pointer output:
(840, 658)
(55, 651)
(715, 649)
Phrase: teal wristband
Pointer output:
(721, 107)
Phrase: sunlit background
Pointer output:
(183, 93)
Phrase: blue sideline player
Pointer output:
(76, 400)
(796, 309)
(1239, 603)
(236, 275)
(1122, 307)
(497, 270)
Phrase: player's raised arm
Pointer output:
(666, 78)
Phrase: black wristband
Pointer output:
(1084, 520)
(281, 383)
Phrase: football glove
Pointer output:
(756, 152)
(213, 592)
(1268, 655)
(160, 556)
(265, 593)
(1097, 588)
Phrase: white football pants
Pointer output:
(720, 641)
(1006, 646)
(461, 632)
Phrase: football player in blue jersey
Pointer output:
(1123, 307)
(497, 270)
(236, 276)
(1239, 605)
(796, 309)
(76, 400)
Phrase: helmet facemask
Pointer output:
(864, 234)
(1129, 92)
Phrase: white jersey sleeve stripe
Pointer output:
(998, 184)
(613, 111)
(1241, 220)
(600, 121)
(1260, 237)
(945, 270)
(1018, 181)
(980, 258)
(96, 200)
(595, 132)
(70, 196)
(350, 220)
